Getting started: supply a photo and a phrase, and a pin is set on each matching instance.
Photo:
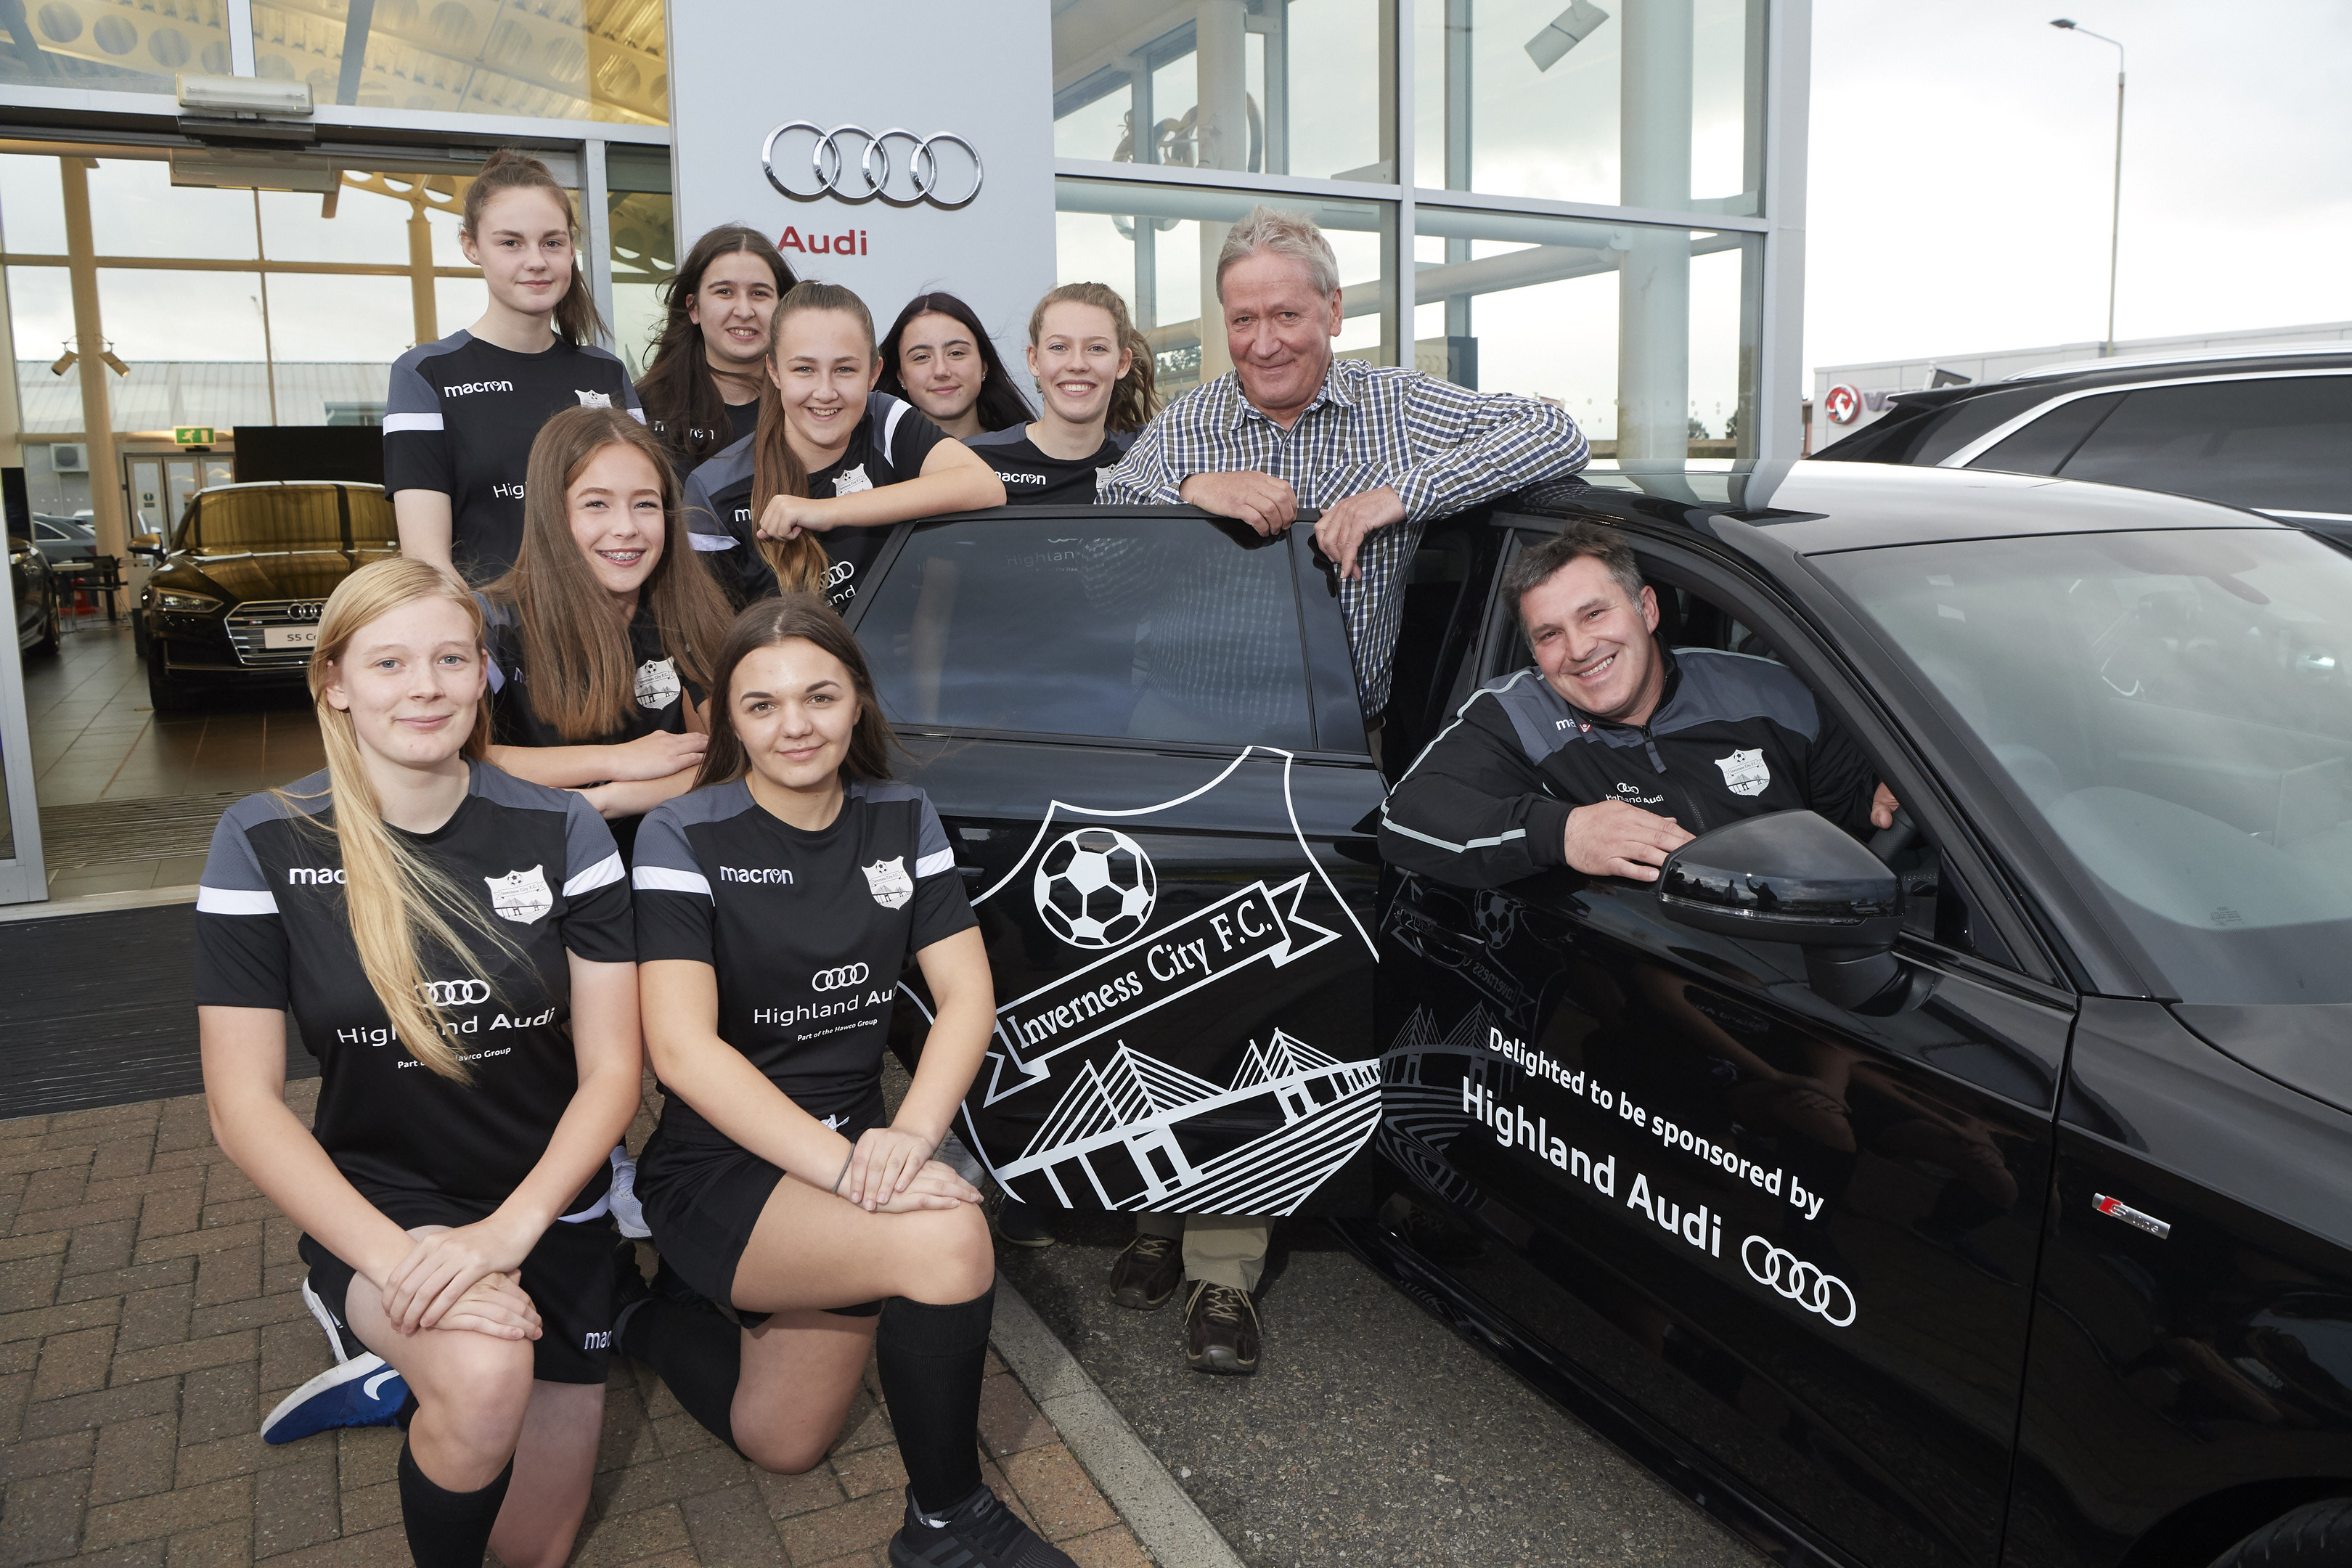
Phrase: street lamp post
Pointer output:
(2115, 219)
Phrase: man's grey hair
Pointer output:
(1289, 234)
(1576, 542)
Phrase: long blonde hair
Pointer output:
(776, 469)
(398, 900)
(1135, 397)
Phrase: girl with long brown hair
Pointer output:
(939, 358)
(459, 413)
(834, 463)
(1095, 373)
(603, 636)
(702, 389)
(776, 907)
(454, 946)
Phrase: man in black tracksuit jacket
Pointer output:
(1613, 751)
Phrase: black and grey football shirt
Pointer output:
(1033, 477)
(459, 418)
(272, 932)
(892, 439)
(807, 932)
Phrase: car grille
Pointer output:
(249, 623)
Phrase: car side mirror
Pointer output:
(148, 544)
(1795, 876)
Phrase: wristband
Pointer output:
(845, 1173)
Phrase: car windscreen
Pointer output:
(2177, 706)
(373, 526)
(1149, 629)
(236, 521)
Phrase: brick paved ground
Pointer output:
(149, 1317)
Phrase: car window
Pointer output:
(234, 522)
(55, 535)
(2175, 706)
(2283, 443)
(373, 525)
(2043, 446)
(1152, 629)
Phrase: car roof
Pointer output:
(2338, 351)
(1816, 508)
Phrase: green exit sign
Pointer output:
(192, 434)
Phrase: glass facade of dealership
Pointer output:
(1599, 205)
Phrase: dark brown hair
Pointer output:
(764, 625)
(583, 668)
(1135, 397)
(576, 321)
(680, 388)
(1001, 405)
(1575, 543)
(776, 468)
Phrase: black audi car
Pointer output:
(2266, 428)
(2036, 1250)
(39, 617)
(235, 599)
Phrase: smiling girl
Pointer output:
(937, 357)
(602, 637)
(776, 907)
(1095, 373)
(703, 389)
(834, 463)
(460, 414)
(454, 947)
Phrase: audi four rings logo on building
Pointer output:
(922, 175)
(1825, 1294)
(841, 979)
(454, 993)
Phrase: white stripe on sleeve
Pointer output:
(708, 542)
(638, 415)
(932, 865)
(236, 901)
(395, 422)
(662, 879)
(604, 873)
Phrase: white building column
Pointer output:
(1220, 141)
(1654, 278)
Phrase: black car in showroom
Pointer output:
(2036, 1250)
(39, 617)
(2269, 429)
(235, 599)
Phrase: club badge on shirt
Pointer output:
(1745, 773)
(889, 882)
(657, 683)
(850, 483)
(592, 399)
(520, 896)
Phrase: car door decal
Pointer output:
(1115, 1084)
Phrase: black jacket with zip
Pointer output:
(1734, 736)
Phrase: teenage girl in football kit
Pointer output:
(1095, 375)
(776, 906)
(939, 358)
(454, 946)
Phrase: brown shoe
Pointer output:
(1221, 1330)
(1148, 1272)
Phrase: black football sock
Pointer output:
(698, 1353)
(446, 1529)
(932, 1360)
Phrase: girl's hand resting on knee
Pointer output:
(424, 1286)
(496, 1305)
(935, 1185)
(883, 1166)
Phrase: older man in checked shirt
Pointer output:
(1380, 451)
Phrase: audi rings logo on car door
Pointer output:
(454, 993)
(841, 979)
(1825, 1294)
(857, 165)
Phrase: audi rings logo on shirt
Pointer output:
(841, 979)
(1825, 1294)
(857, 166)
(454, 993)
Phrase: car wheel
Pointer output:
(2316, 1535)
(139, 638)
(166, 693)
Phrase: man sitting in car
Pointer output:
(1611, 752)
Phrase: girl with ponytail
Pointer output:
(459, 413)
(1094, 371)
(833, 463)
(454, 947)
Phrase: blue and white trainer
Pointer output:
(340, 1338)
(361, 1392)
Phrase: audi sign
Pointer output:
(454, 993)
(840, 979)
(856, 166)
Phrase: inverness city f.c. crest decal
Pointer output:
(1745, 773)
(520, 896)
(889, 882)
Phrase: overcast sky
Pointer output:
(1963, 155)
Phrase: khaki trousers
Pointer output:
(1219, 1248)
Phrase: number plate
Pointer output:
(289, 636)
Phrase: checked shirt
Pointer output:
(1440, 448)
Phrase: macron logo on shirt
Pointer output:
(466, 388)
(1038, 479)
(311, 876)
(754, 874)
